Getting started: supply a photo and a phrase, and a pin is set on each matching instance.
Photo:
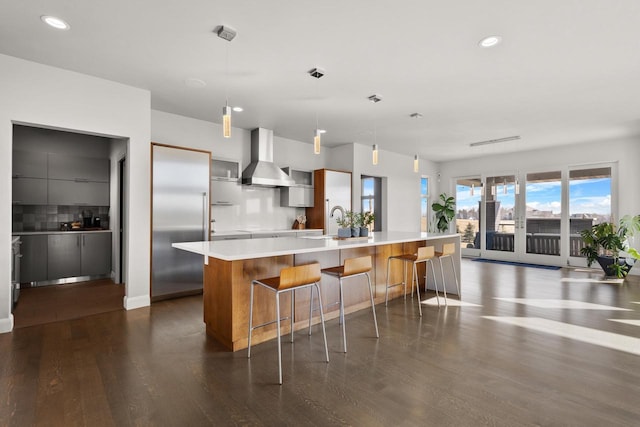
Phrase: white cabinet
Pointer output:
(225, 192)
(225, 183)
(301, 194)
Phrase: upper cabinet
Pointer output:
(75, 168)
(29, 164)
(301, 194)
(225, 183)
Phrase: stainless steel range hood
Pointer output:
(262, 171)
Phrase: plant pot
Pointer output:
(355, 231)
(344, 232)
(364, 231)
(607, 261)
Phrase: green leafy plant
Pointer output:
(444, 212)
(347, 220)
(367, 218)
(608, 240)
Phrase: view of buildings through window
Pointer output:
(424, 204)
(589, 204)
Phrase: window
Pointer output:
(468, 197)
(371, 200)
(424, 204)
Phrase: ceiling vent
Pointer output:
(415, 115)
(375, 98)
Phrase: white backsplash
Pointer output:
(259, 209)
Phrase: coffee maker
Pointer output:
(87, 219)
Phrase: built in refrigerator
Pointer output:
(180, 213)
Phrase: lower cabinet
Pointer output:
(33, 264)
(78, 254)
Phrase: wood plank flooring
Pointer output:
(453, 367)
(46, 304)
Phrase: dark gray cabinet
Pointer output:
(63, 258)
(95, 254)
(33, 264)
(75, 168)
(78, 254)
(61, 192)
(28, 191)
(29, 164)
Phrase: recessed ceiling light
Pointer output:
(238, 109)
(490, 41)
(195, 83)
(322, 130)
(54, 22)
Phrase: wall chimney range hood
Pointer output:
(262, 171)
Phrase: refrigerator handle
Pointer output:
(326, 217)
(205, 219)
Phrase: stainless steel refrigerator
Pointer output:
(180, 213)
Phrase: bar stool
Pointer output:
(425, 254)
(448, 250)
(353, 267)
(290, 279)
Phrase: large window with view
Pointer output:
(424, 204)
(371, 200)
(589, 202)
(468, 200)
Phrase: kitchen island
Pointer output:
(229, 267)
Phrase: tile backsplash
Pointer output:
(48, 218)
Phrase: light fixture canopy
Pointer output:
(55, 22)
(374, 158)
(375, 98)
(226, 32)
(490, 41)
(416, 164)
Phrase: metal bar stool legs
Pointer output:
(290, 279)
(353, 267)
(448, 250)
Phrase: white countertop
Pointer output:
(232, 250)
(31, 233)
(259, 231)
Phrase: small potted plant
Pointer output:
(365, 220)
(603, 243)
(344, 222)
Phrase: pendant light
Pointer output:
(416, 164)
(504, 187)
(472, 188)
(317, 73)
(228, 34)
(482, 189)
(517, 187)
(375, 98)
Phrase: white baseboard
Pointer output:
(6, 324)
(131, 303)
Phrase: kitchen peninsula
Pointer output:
(229, 267)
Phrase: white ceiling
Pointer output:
(568, 71)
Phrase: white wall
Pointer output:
(401, 185)
(260, 207)
(52, 97)
(117, 151)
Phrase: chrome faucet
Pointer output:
(336, 208)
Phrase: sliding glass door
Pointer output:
(534, 216)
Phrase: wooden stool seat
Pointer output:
(352, 267)
(290, 279)
(424, 254)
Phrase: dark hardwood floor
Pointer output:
(452, 367)
(46, 304)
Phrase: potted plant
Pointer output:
(603, 243)
(444, 212)
(345, 222)
(365, 219)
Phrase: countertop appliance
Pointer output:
(180, 213)
(15, 270)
